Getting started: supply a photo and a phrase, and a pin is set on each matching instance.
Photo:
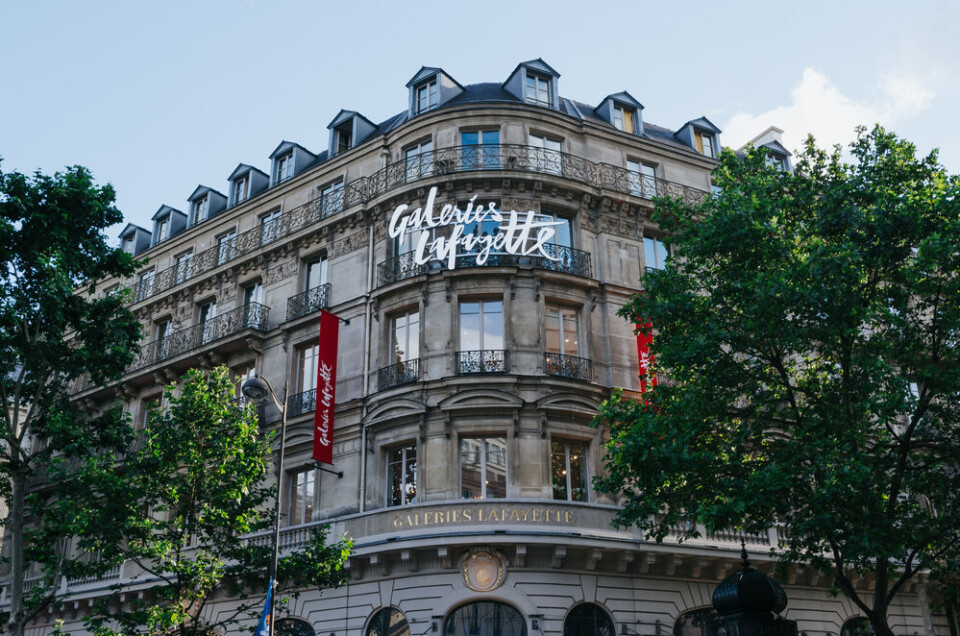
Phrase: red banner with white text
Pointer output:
(326, 388)
(648, 377)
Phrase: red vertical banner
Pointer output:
(648, 377)
(326, 388)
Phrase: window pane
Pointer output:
(571, 333)
(469, 138)
(307, 373)
(470, 327)
(492, 325)
(496, 484)
(650, 253)
(577, 471)
(471, 486)
(558, 468)
(552, 329)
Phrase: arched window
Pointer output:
(698, 622)
(294, 627)
(485, 618)
(588, 619)
(388, 622)
(857, 627)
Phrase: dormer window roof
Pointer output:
(134, 239)
(535, 82)
(770, 140)
(246, 182)
(289, 159)
(347, 130)
(167, 222)
(204, 203)
(701, 135)
(623, 112)
(429, 88)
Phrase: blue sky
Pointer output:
(159, 97)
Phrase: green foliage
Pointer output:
(807, 344)
(54, 331)
(185, 503)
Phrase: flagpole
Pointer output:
(257, 389)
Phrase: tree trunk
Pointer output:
(18, 483)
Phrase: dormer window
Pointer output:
(240, 190)
(284, 167)
(126, 244)
(162, 225)
(775, 160)
(704, 141)
(427, 96)
(344, 135)
(200, 207)
(537, 90)
(623, 118)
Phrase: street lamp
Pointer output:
(258, 389)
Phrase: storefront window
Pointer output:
(483, 618)
(483, 467)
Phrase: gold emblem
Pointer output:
(482, 572)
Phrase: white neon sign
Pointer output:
(518, 233)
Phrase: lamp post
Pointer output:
(258, 389)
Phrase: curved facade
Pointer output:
(467, 380)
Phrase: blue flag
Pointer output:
(264, 628)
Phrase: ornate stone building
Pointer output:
(467, 380)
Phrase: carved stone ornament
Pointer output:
(281, 271)
(483, 572)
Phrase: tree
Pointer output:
(52, 246)
(806, 339)
(185, 504)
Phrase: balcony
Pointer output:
(559, 259)
(308, 302)
(482, 362)
(253, 316)
(300, 403)
(397, 374)
(568, 366)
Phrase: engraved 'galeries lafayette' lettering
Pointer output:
(483, 515)
(518, 233)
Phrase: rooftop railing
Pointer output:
(453, 160)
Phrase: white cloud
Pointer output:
(820, 108)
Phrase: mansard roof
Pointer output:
(202, 190)
(165, 210)
(243, 169)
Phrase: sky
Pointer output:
(159, 97)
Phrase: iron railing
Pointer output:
(568, 366)
(399, 373)
(559, 258)
(485, 361)
(252, 316)
(300, 403)
(456, 159)
(308, 302)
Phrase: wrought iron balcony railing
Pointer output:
(456, 159)
(485, 361)
(568, 366)
(559, 259)
(252, 316)
(300, 403)
(399, 373)
(308, 302)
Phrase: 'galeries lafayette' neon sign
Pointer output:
(518, 233)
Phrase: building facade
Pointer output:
(475, 357)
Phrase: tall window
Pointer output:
(200, 207)
(405, 337)
(388, 622)
(427, 97)
(252, 297)
(483, 467)
(269, 227)
(402, 475)
(163, 339)
(568, 469)
(240, 190)
(537, 90)
(418, 161)
(182, 268)
(284, 167)
(642, 179)
(307, 367)
(304, 496)
(205, 316)
(481, 325)
(315, 274)
(623, 118)
(343, 137)
(655, 253)
(562, 330)
(588, 619)
(481, 149)
(704, 142)
(545, 155)
(485, 617)
(563, 235)
(226, 244)
(331, 199)
(162, 229)
(145, 285)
